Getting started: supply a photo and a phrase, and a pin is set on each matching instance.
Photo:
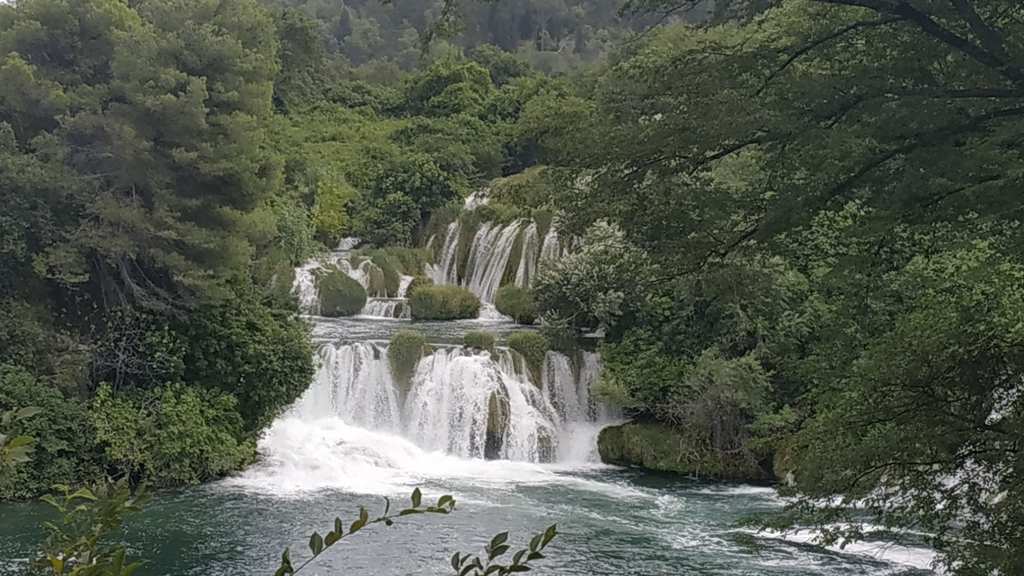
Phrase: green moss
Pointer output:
(533, 347)
(404, 351)
(516, 303)
(479, 340)
(339, 294)
(666, 449)
(497, 425)
(443, 303)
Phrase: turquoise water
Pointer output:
(612, 521)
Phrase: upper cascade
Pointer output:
(462, 402)
(490, 255)
(379, 303)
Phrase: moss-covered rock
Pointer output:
(404, 351)
(516, 303)
(443, 303)
(533, 347)
(479, 340)
(663, 448)
(339, 294)
(497, 425)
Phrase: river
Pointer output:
(517, 455)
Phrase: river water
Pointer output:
(518, 454)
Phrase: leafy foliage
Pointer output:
(79, 544)
(517, 303)
(465, 565)
(174, 436)
(339, 294)
(479, 340)
(405, 349)
(443, 303)
(319, 544)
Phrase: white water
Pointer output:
(355, 420)
(489, 253)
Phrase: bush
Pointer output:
(404, 351)
(261, 357)
(517, 303)
(533, 347)
(175, 436)
(340, 295)
(479, 339)
(418, 282)
(443, 303)
(64, 444)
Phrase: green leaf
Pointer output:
(417, 497)
(387, 505)
(498, 551)
(549, 535)
(338, 527)
(499, 539)
(535, 542)
(519, 556)
(316, 543)
(445, 500)
(27, 412)
(331, 538)
(455, 561)
(84, 494)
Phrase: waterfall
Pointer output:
(365, 271)
(490, 251)
(463, 403)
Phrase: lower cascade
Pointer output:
(462, 402)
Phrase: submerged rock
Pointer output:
(662, 448)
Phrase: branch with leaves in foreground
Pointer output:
(464, 565)
(16, 449)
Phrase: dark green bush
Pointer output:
(516, 303)
(418, 282)
(443, 303)
(404, 350)
(533, 347)
(479, 339)
(64, 449)
(260, 356)
(340, 295)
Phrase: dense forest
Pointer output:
(796, 229)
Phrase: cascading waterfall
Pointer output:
(378, 304)
(464, 403)
(489, 253)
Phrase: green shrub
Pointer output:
(174, 436)
(479, 339)
(260, 356)
(418, 282)
(65, 441)
(533, 347)
(443, 303)
(404, 350)
(517, 303)
(340, 295)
